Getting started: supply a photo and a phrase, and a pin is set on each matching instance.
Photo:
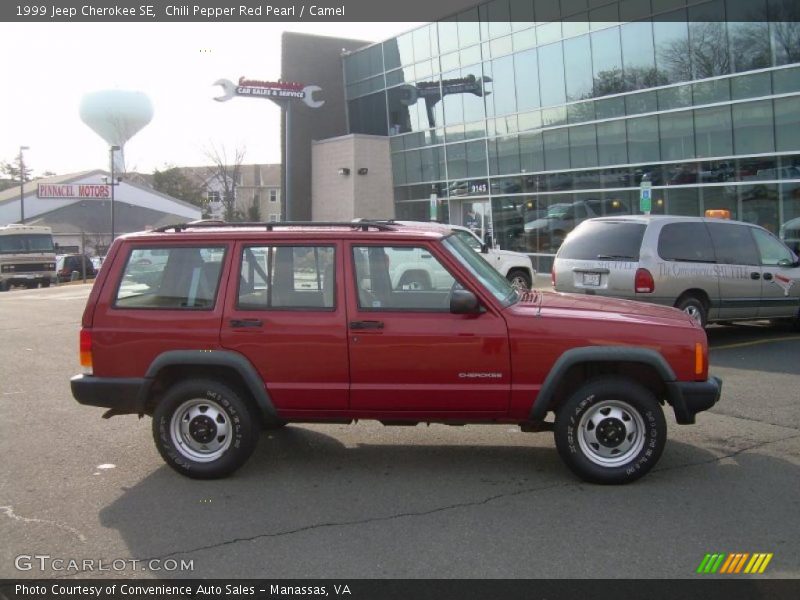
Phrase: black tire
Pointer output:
(185, 423)
(634, 421)
(5, 286)
(46, 283)
(695, 308)
(520, 279)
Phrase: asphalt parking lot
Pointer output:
(369, 501)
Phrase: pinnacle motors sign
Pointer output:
(74, 190)
(277, 91)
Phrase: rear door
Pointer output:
(284, 314)
(408, 352)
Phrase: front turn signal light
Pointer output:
(699, 359)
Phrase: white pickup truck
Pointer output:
(514, 266)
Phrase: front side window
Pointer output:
(171, 278)
(772, 251)
(287, 277)
(405, 278)
(469, 239)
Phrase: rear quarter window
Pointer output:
(604, 240)
(171, 278)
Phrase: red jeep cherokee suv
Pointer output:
(242, 327)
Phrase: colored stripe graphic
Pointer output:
(734, 563)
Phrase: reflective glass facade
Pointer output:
(556, 112)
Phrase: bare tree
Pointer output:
(227, 168)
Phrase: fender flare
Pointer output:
(596, 354)
(212, 358)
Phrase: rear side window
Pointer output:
(733, 244)
(686, 242)
(287, 277)
(171, 278)
(604, 240)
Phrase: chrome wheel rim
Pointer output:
(519, 283)
(611, 433)
(694, 313)
(201, 430)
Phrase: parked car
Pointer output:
(790, 234)
(547, 233)
(67, 264)
(714, 270)
(250, 327)
(514, 266)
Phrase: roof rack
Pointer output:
(269, 226)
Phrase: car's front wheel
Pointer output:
(611, 430)
(204, 429)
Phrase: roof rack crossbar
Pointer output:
(270, 226)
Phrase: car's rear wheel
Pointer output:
(611, 431)
(695, 308)
(5, 286)
(519, 279)
(204, 429)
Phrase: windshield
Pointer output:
(558, 211)
(26, 242)
(499, 287)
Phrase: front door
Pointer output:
(286, 317)
(408, 352)
(780, 279)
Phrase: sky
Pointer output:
(49, 67)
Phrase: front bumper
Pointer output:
(121, 395)
(688, 398)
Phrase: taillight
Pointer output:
(86, 348)
(553, 274)
(644, 284)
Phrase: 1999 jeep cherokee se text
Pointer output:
(247, 327)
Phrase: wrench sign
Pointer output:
(277, 94)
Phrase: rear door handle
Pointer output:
(246, 323)
(366, 324)
(755, 275)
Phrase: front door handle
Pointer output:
(366, 324)
(246, 323)
(767, 276)
(755, 275)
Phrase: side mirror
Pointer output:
(464, 302)
(484, 248)
(488, 242)
(785, 262)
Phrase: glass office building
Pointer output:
(524, 117)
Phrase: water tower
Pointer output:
(116, 116)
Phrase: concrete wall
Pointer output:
(312, 60)
(336, 197)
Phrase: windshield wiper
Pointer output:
(614, 257)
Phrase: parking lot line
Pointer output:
(756, 342)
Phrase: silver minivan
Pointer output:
(715, 270)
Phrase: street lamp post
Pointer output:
(22, 184)
(113, 185)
